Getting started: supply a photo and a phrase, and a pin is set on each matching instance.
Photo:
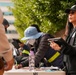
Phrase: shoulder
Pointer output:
(47, 35)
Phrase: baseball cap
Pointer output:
(73, 8)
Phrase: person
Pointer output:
(23, 52)
(42, 49)
(36, 26)
(5, 49)
(6, 24)
(68, 47)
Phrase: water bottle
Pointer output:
(31, 60)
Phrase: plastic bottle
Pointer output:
(31, 61)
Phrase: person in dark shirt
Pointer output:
(68, 47)
(42, 49)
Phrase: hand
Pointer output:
(9, 65)
(18, 66)
(55, 46)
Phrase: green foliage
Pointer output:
(48, 14)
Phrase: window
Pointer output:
(6, 4)
(11, 32)
(7, 13)
(11, 22)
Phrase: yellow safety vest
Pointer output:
(25, 51)
(51, 59)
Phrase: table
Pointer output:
(25, 71)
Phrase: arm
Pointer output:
(5, 49)
(42, 49)
(62, 46)
(68, 50)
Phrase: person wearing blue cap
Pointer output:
(42, 49)
(68, 47)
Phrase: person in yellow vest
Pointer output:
(23, 51)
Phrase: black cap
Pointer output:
(73, 8)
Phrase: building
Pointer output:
(11, 32)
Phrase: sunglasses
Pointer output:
(72, 12)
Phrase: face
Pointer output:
(31, 41)
(72, 16)
(21, 44)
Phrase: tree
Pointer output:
(48, 14)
